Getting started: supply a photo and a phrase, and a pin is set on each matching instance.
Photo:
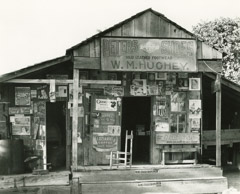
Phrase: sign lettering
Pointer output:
(125, 54)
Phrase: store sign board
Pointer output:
(177, 138)
(142, 54)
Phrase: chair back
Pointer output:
(128, 142)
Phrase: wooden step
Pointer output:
(186, 185)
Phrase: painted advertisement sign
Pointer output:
(177, 138)
(104, 142)
(159, 55)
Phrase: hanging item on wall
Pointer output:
(114, 91)
(42, 92)
(168, 89)
(52, 91)
(21, 125)
(22, 96)
(183, 83)
(195, 124)
(161, 126)
(178, 101)
(61, 91)
(161, 88)
(33, 94)
(195, 108)
(160, 76)
(194, 83)
(114, 130)
(152, 90)
(138, 87)
(20, 110)
(71, 94)
(106, 104)
(161, 106)
(171, 78)
(104, 142)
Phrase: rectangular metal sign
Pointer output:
(143, 54)
(177, 138)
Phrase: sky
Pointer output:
(34, 31)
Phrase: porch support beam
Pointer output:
(75, 119)
(218, 122)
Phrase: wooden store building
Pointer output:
(147, 75)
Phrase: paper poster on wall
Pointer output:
(33, 93)
(107, 118)
(20, 110)
(42, 92)
(195, 124)
(161, 126)
(114, 130)
(21, 125)
(178, 100)
(104, 142)
(138, 87)
(62, 91)
(71, 94)
(23, 96)
(194, 83)
(114, 91)
(106, 104)
(152, 90)
(195, 108)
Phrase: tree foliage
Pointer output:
(224, 35)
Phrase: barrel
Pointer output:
(11, 157)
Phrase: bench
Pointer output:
(179, 150)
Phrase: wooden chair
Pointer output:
(124, 158)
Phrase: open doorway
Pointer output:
(56, 135)
(136, 116)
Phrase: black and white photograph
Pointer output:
(118, 97)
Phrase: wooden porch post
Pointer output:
(218, 121)
(75, 119)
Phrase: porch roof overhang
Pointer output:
(33, 68)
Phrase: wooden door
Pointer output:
(103, 134)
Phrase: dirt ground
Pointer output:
(233, 177)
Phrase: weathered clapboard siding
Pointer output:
(147, 24)
(128, 29)
(83, 51)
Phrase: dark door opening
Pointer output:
(56, 135)
(136, 116)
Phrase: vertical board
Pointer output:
(128, 29)
(75, 119)
(140, 26)
(117, 32)
(153, 25)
